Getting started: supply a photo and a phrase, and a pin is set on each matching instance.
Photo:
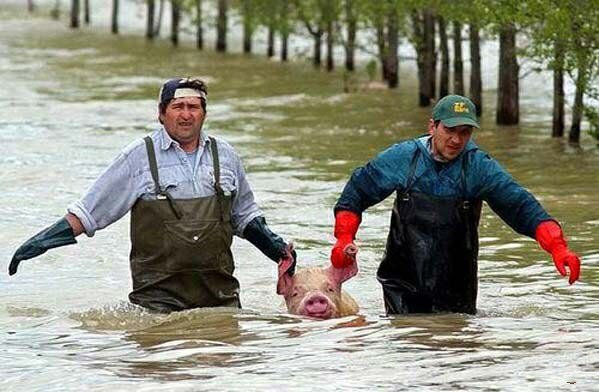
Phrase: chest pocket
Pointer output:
(167, 182)
(228, 180)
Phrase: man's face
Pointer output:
(448, 143)
(183, 119)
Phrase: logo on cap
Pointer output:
(460, 107)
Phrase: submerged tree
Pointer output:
(458, 63)
(115, 17)
(86, 12)
(158, 26)
(74, 14)
(423, 39)
(55, 11)
(221, 26)
(199, 29)
(151, 7)
(310, 13)
(249, 24)
(444, 48)
(175, 19)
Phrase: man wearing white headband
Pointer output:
(188, 194)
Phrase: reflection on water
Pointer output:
(71, 102)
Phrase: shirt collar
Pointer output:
(167, 141)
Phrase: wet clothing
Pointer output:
(430, 263)
(181, 248)
(128, 179)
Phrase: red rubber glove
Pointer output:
(344, 251)
(549, 235)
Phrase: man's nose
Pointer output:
(459, 138)
(185, 112)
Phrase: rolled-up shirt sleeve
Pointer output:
(110, 197)
(244, 208)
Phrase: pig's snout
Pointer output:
(319, 306)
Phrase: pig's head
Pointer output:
(316, 292)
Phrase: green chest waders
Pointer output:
(181, 249)
(430, 262)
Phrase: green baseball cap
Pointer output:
(455, 110)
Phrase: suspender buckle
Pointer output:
(466, 205)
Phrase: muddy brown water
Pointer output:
(71, 101)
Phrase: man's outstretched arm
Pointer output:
(61, 233)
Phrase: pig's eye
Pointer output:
(330, 289)
(295, 294)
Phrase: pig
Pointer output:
(316, 292)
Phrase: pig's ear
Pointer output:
(340, 275)
(285, 281)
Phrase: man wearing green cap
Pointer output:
(441, 179)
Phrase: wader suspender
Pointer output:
(163, 193)
(466, 205)
(217, 188)
(406, 193)
(160, 192)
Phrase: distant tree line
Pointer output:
(561, 36)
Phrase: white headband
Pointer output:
(189, 92)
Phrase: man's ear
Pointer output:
(431, 126)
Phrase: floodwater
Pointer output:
(71, 101)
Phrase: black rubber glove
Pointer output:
(273, 246)
(59, 234)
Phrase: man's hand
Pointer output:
(549, 235)
(59, 234)
(344, 252)
(271, 245)
(288, 261)
(563, 257)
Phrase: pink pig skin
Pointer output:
(316, 292)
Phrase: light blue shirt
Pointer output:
(128, 179)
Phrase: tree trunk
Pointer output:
(115, 17)
(392, 60)
(444, 77)
(558, 92)
(430, 56)
(574, 136)
(476, 84)
(270, 51)
(175, 18)
(330, 46)
(199, 30)
(74, 14)
(86, 17)
(508, 90)
(30, 6)
(317, 60)
(221, 26)
(419, 45)
(350, 48)
(458, 68)
(284, 25)
(382, 46)
(247, 26)
(55, 12)
(159, 19)
(150, 19)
